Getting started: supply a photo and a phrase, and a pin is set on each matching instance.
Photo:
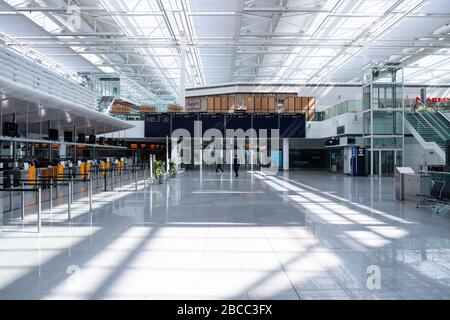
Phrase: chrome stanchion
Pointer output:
(22, 202)
(90, 194)
(135, 179)
(51, 195)
(11, 181)
(112, 179)
(69, 213)
(39, 210)
(145, 177)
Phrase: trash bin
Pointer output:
(399, 182)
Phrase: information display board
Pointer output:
(183, 120)
(160, 125)
(213, 121)
(238, 121)
(267, 121)
(157, 125)
(292, 126)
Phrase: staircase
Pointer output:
(428, 129)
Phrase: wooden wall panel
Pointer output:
(224, 104)
(250, 104)
(258, 104)
(312, 109)
(216, 104)
(261, 103)
(286, 105)
(272, 104)
(304, 107)
(210, 104)
(231, 103)
(298, 104)
(265, 104)
(291, 104)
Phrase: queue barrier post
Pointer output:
(90, 194)
(69, 213)
(39, 220)
(22, 202)
(11, 181)
(51, 195)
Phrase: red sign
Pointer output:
(433, 100)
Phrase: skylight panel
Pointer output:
(107, 69)
(92, 58)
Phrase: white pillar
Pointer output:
(62, 150)
(167, 154)
(285, 154)
(183, 71)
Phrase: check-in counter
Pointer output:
(11, 178)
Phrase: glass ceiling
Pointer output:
(303, 41)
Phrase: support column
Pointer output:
(285, 154)
(183, 70)
(167, 154)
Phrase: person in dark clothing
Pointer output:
(219, 165)
(236, 166)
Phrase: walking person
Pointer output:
(236, 166)
(219, 165)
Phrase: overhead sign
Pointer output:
(432, 100)
(162, 125)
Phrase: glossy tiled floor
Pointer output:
(299, 235)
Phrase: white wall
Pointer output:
(415, 155)
(328, 128)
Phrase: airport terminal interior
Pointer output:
(225, 150)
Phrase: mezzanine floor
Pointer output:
(297, 235)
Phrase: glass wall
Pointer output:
(119, 86)
(386, 123)
(383, 117)
(349, 106)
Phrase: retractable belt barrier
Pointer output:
(56, 177)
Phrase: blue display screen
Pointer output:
(292, 126)
(184, 121)
(157, 125)
(238, 121)
(265, 121)
(212, 121)
(162, 124)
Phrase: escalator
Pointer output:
(444, 118)
(429, 130)
(439, 123)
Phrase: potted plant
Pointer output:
(172, 168)
(158, 170)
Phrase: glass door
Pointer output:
(387, 162)
(376, 162)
